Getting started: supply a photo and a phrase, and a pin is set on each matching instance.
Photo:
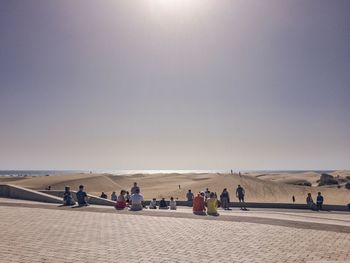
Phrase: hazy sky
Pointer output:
(174, 84)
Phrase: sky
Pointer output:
(175, 84)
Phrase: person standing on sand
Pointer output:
(293, 198)
(82, 196)
(240, 192)
(134, 188)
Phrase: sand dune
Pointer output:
(263, 188)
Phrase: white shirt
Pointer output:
(136, 199)
(172, 204)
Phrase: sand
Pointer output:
(274, 187)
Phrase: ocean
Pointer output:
(24, 173)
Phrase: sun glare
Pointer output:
(171, 6)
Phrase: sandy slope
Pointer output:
(258, 189)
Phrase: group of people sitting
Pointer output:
(224, 201)
(135, 201)
(311, 204)
(205, 202)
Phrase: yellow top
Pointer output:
(212, 205)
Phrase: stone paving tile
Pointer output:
(47, 235)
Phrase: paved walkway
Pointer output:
(45, 233)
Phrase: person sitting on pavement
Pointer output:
(225, 199)
(319, 201)
(103, 195)
(310, 202)
(172, 203)
(162, 204)
(212, 205)
(82, 197)
(67, 197)
(114, 196)
(153, 204)
(121, 202)
(136, 201)
(134, 188)
(198, 204)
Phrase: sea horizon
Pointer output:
(45, 172)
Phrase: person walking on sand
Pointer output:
(225, 199)
(134, 188)
(319, 201)
(240, 193)
(293, 199)
(82, 196)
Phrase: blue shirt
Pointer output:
(81, 197)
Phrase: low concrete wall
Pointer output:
(17, 192)
(92, 199)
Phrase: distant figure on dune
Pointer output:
(103, 195)
(120, 202)
(212, 205)
(231, 172)
(153, 204)
(114, 196)
(179, 186)
(225, 199)
(310, 202)
(67, 197)
(134, 188)
(189, 197)
(199, 204)
(319, 201)
(82, 196)
(162, 204)
(172, 203)
(240, 193)
(293, 199)
(48, 188)
(136, 200)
